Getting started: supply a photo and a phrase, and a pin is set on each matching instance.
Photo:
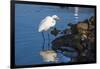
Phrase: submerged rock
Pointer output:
(49, 56)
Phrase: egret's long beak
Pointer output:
(58, 18)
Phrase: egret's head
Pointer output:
(55, 17)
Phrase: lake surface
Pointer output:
(28, 40)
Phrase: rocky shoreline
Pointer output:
(78, 40)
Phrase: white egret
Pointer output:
(46, 24)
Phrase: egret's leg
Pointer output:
(43, 46)
(48, 41)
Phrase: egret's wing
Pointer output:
(53, 23)
(44, 23)
(44, 20)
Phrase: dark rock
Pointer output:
(55, 32)
(73, 44)
(67, 41)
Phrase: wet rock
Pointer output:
(49, 56)
(67, 41)
(83, 26)
(55, 32)
(81, 38)
(67, 31)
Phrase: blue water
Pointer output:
(28, 40)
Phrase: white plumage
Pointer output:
(47, 23)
